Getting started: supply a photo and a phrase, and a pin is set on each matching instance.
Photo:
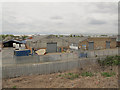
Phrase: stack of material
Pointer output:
(27, 47)
(22, 46)
(14, 45)
(17, 46)
(84, 47)
(41, 51)
(73, 47)
(68, 51)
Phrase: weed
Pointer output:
(87, 74)
(109, 61)
(70, 73)
(14, 87)
(106, 74)
(60, 75)
(70, 76)
(95, 55)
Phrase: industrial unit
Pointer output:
(98, 43)
(59, 44)
(118, 41)
(54, 44)
(10, 43)
(50, 43)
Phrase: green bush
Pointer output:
(87, 74)
(110, 60)
(106, 74)
(71, 35)
(56, 35)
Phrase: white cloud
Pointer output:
(62, 17)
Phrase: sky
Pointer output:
(59, 17)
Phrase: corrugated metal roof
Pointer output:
(36, 38)
(68, 39)
(15, 41)
(74, 39)
(24, 41)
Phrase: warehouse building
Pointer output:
(118, 41)
(9, 43)
(58, 44)
(52, 43)
(98, 43)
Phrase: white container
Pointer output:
(14, 45)
(22, 46)
(17, 46)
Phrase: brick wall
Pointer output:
(99, 43)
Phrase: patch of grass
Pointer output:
(14, 87)
(107, 74)
(87, 74)
(70, 76)
(70, 73)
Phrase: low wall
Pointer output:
(40, 59)
(64, 62)
(0, 70)
(13, 60)
(45, 68)
(105, 52)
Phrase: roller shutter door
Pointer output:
(52, 47)
(107, 44)
(91, 46)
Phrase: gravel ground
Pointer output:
(57, 81)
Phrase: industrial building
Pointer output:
(52, 43)
(118, 41)
(98, 43)
(9, 43)
(58, 44)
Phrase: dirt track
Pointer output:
(55, 81)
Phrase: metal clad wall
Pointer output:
(45, 68)
(107, 44)
(51, 47)
(91, 46)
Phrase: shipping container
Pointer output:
(25, 52)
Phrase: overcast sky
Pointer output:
(59, 17)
